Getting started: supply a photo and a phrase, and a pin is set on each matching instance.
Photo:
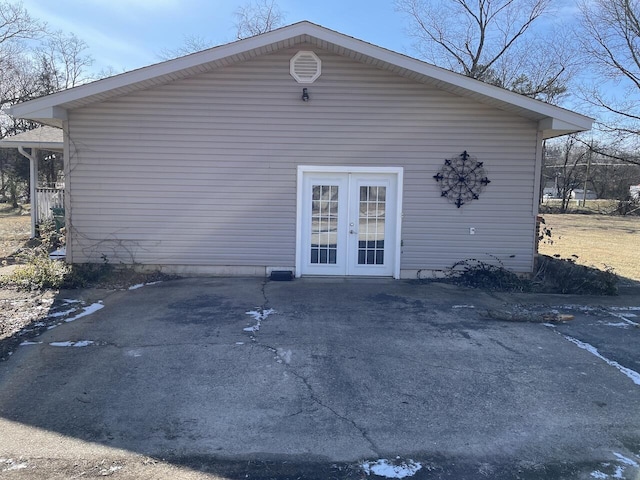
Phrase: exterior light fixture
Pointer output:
(305, 95)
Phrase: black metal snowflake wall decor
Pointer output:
(462, 179)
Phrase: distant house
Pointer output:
(579, 194)
(634, 192)
(301, 149)
(550, 192)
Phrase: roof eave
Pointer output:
(50, 146)
(42, 138)
(47, 109)
(32, 108)
(53, 116)
(554, 127)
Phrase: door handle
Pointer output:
(353, 232)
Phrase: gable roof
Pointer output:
(51, 109)
(43, 138)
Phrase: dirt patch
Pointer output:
(21, 313)
(25, 314)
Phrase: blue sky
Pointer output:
(127, 34)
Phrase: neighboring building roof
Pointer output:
(52, 109)
(43, 138)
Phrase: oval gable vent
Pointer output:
(305, 67)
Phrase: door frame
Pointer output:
(310, 169)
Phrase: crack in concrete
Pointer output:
(314, 398)
(265, 305)
(363, 431)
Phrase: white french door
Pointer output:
(348, 223)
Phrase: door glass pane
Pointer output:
(324, 224)
(371, 223)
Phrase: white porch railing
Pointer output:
(48, 198)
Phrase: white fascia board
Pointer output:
(50, 146)
(554, 127)
(31, 110)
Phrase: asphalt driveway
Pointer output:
(240, 378)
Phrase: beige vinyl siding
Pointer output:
(202, 171)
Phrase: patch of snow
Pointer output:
(619, 472)
(239, 343)
(599, 474)
(387, 469)
(285, 355)
(632, 374)
(463, 306)
(104, 472)
(79, 343)
(549, 325)
(625, 319)
(626, 461)
(625, 308)
(67, 301)
(51, 327)
(134, 353)
(140, 285)
(12, 465)
(62, 314)
(582, 308)
(94, 307)
(616, 324)
(58, 254)
(29, 343)
(258, 315)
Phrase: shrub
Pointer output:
(41, 272)
(86, 274)
(552, 275)
(477, 274)
(557, 275)
(38, 273)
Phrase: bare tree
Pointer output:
(610, 39)
(63, 62)
(253, 18)
(33, 62)
(16, 23)
(492, 41)
(563, 164)
(256, 17)
(190, 44)
(16, 26)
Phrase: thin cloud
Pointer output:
(108, 48)
(127, 7)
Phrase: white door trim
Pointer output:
(303, 169)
